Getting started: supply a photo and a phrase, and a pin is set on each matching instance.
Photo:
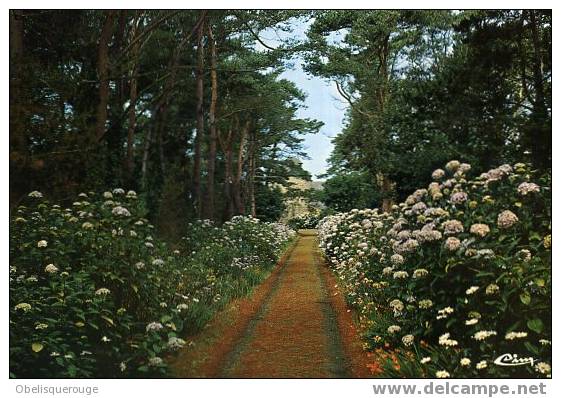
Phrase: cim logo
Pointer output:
(513, 360)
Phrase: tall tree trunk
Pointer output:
(237, 186)
(197, 192)
(133, 93)
(251, 187)
(229, 159)
(211, 168)
(383, 74)
(251, 177)
(522, 53)
(542, 138)
(161, 144)
(115, 136)
(161, 119)
(145, 156)
(103, 73)
(155, 135)
(228, 149)
(383, 77)
(121, 81)
(131, 128)
(164, 102)
(386, 188)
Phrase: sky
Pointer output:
(323, 103)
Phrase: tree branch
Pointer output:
(348, 98)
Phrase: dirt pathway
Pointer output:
(296, 325)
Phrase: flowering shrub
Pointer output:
(227, 261)
(94, 294)
(460, 273)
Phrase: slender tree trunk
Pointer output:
(212, 127)
(161, 143)
(161, 120)
(133, 93)
(387, 201)
(131, 128)
(522, 53)
(169, 86)
(121, 88)
(383, 76)
(542, 137)
(227, 148)
(229, 158)
(103, 74)
(197, 192)
(251, 177)
(237, 186)
(537, 65)
(251, 188)
(145, 155)
(155, 135)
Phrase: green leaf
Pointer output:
(109, 320)
(540, 282)
(532, 348)
(37, 347)
(535, 325)
(72, 370)
(525, 298)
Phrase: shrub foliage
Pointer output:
(457, 275)
(93, 293)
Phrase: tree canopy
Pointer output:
(185, 106)
(189, 106)
(424, 87)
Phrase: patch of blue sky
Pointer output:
(323, 101)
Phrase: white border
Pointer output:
(261, 387)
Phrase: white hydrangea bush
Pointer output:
(95, 293)
(461, 271)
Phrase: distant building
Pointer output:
(296, 206)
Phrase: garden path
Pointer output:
(295, 325)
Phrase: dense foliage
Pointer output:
(269, 203)
(426, 86)
(459, 274)
(94, 293)
(346, 191)
(184, 106)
